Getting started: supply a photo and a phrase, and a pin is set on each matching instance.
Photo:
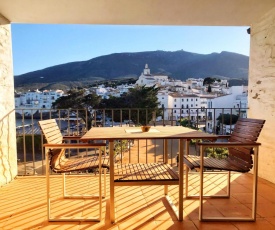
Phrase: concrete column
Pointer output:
(261, 91)
(8, 154)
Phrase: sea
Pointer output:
(19, 121)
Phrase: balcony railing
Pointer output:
(31, 156)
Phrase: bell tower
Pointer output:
(146, 70)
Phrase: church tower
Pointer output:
(146, 70)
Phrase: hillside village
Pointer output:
(178, 98)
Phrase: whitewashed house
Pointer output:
(101, 91)
(236, 99)
(180, 105)
(32, 101)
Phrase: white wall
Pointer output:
(8, 155)
(261, 90)
(227, 100)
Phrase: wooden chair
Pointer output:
(57, 161)
(241, 146)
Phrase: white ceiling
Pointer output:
(136, 12)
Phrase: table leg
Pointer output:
(182, 144)
(48, 182)
(166, 162)
(112, 187)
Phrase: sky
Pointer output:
(37, 46)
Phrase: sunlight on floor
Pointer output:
(23, 204)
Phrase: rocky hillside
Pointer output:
(178, 65)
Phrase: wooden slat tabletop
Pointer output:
(156, 132)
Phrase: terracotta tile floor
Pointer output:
(23, 205)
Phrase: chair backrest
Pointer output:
(51, 131)
(53, 135)
(246, 130)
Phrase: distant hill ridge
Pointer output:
(178, 65)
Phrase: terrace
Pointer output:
(136, 207)
(23, 204)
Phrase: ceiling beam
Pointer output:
(3, 20)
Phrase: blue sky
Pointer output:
(40, 46)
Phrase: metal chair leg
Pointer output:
(254, 196)
(73, 219)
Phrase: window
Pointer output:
(175, 106)
(175, 100)
(191, 99)
(187, 99)
(182, 100)
(196, 99)
(191, 105)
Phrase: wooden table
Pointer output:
(159, 132)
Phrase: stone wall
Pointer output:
(261, 98)
(8, 156)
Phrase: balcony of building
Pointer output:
(24, 204)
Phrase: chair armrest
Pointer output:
(74, 146)
(229, 144)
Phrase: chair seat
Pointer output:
(81, 164)
(210, 163)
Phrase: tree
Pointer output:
(208, 80)
(142, 98)
(185, 122)
(219, 153)
(209, 89)
(227, 119)
(77, 100)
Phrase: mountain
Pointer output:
(178, 65)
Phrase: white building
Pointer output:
(233, 103)
(146, 78)
(194, 83)
(180, 105)
(101, 91)
(204, 107)
(32, 101)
